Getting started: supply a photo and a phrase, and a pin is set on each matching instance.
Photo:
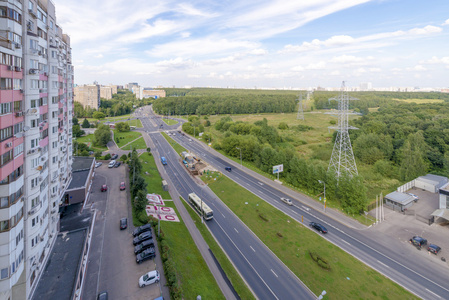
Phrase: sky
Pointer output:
(258, 43)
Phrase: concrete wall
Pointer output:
(425, 185)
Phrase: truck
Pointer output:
(163, 160)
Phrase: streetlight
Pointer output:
(324, 193)
(241, 161)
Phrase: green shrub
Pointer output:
(107, 156)
(263, 217)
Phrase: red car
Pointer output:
(104, 188)
(122, 186)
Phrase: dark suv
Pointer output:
(147, 254)
(143, 228)
(143, 246)
(433, 249)
(142, 237)
(318, 227)
(418, 241)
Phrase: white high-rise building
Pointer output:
(36, 107)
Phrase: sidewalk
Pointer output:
(194, 232)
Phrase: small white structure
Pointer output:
(399, 201)
(431, 183)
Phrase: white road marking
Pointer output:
(433, 293)
(346, 242)
(274, 273)
(383, 264)
(223, 216)
(306, 208)
(252, 248)
(260, 183)
(236, 230)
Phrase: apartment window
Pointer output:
(34, 83)
(6, 157)
(54, 70)
(18, 106)
(6, 83)
(54, 145)
(18, 127)
(5, 108)
(54, 84)
(17, 84)
(33, 103)
(4, 273)
(54, 54)
(55, 159)
(55, 129)
(44, 100)
(34, 221)
(34, 182)
(34, 64)
(18, 150)
(51, 24)
(4, 202)
(4, 225)
(34, 45)
(14, 37)
(5, 133)
(34, 143)
(33, 123)
(13, 176)
(34, 162)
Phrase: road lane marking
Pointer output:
(223, 216)
(260, 183)
(433, 293)
(383, 264)
(306, 208)
(274, 273)
(236, 230)
(252, 248)
(345, 242)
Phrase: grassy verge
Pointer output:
(135, 122)
(233, 276)
(137, 144)
(178, 148)
(124, 138)
(193, 272)
(170, 121)
(88, 140)
(336, 271)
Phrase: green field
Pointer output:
(137, 144)
(170, 121)
(178, 148)
(125, 137)
(232, 274)
(153, 179)
(291, 242)
(88, 140)
(193, 273)
(135, 122)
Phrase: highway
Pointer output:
(427, 282)
(265, 274)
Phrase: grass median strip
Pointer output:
(318, 263)
(233, 276)
(137, 144)
(178, 148)
(193, 272)
(170, 121)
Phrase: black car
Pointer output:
(143, 246)
(418, 241)
(114, 156)
(141, 229)
(147, 254)
(433, 249)
(318, 227)
(103, 296)
(228, 169)
(123, 223)
(117, 164)
(142, 237)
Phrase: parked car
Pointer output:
(104, 188)
(418, 241)
(433, 249)
(143, 246)
(287, 201)
(416, 198)
(142, 237)
(117, 164)
(149, 278)
(141, 229)
(98, 164)
(103, 296)
(123, 223)
(122, 186)
(111, 164)
(318, 227)
(114, 156)
(146, 254)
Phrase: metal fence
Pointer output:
(428, 221)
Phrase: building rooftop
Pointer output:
(79, 179)
(438, 181)
(400, 198)
(82, 163)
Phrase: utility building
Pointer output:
(431, 183)
(399, 201)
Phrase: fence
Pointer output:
(428, 221)
(406, 186)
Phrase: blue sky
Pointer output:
(259, 43)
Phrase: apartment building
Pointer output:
(36, 108)
(88, 95)
(106, 92)
(150, 93)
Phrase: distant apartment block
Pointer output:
(88, 95)
(106, 92)
(366, 86)
(150, 93)
(36, 96)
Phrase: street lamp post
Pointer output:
(241, 161)
(324, 193)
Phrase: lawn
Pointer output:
(170, 121)
(135, 122)
(153, 179)
(125, 137)
(193, 272)
(137, 144)
(88, 139)
(178, 148)
(232, 274)
(286, 238)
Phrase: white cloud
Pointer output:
(98, 55)
(316, 66)
(343, 59)
(446, 22)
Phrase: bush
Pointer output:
(124, 157)
(263, 217)
(319, 260)
(97, 154)
(333, 122)
(283, 126)
(107, 156)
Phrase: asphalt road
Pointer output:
(265, 274)
(391, 258)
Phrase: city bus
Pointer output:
(198, 203)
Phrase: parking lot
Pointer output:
(112, 263)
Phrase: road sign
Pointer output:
(278, 169)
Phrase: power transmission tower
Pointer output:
(342, 159)
(300, 115)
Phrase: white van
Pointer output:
(287, 201)
(111, 164)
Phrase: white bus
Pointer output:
(197, 203)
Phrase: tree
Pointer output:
(102, 135)
(75, 121)
(85, 124)
(283, 126)
(97, 154)
(76, 131)
(122, 127)
(98, 115)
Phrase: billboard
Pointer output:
(278, 169)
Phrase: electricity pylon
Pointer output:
(342, 159)
(300, 115)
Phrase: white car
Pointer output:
(287, 201)
(97, 164)
(149, 278)
(415, 198)
(111, 164)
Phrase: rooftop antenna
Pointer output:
(342, 159)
